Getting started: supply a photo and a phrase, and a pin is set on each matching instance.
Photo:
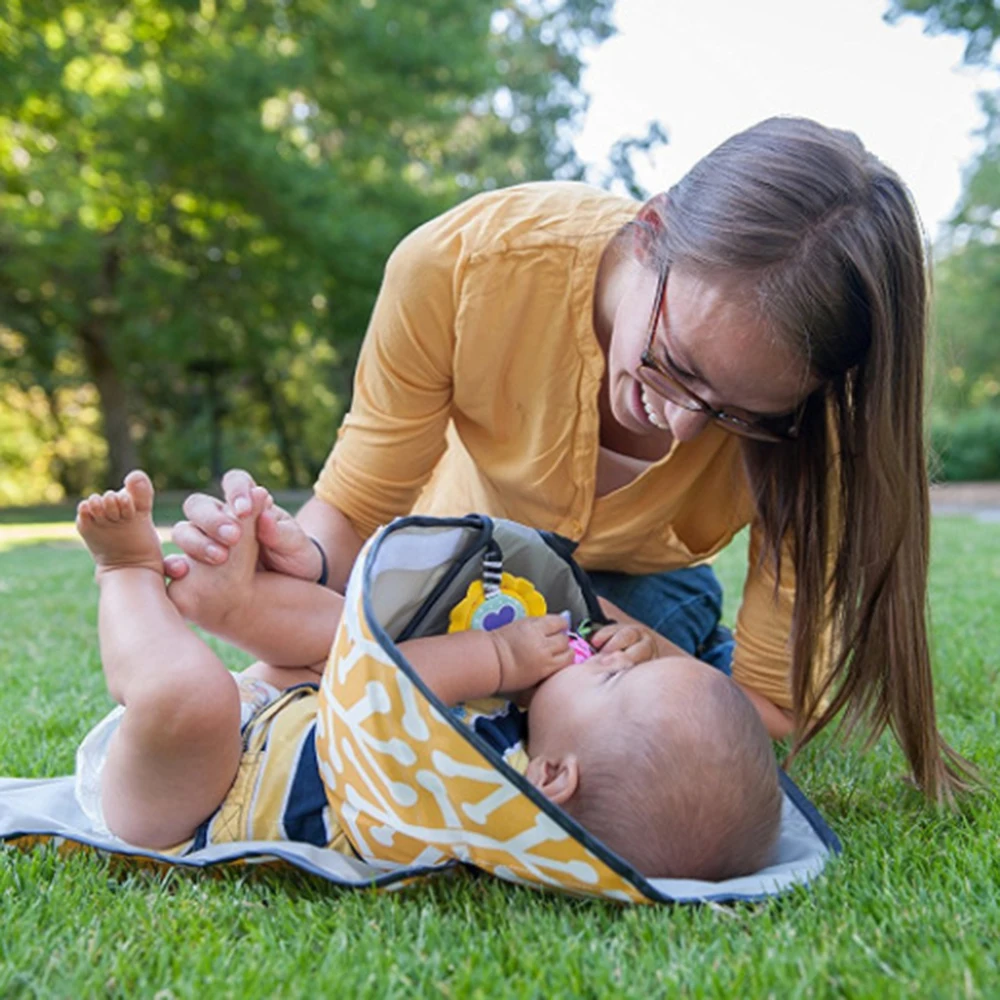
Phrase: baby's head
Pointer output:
(666, 762)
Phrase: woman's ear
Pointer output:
(557, 780)
(649, 226)
(654, 212)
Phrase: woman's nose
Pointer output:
(685, 425)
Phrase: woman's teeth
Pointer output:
(655, 418)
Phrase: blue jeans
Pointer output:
(684, 605)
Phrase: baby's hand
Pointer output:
(636, 643)
(529, 650)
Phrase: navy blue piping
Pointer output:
(185, 861)
(573, 828)
(811, 813)
(564, 547)
(485, 526)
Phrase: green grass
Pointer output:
(911, 909)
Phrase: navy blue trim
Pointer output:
(485, 534)
(560, 818)
(275, 854)
(303, 812)
(565, 547)
(811, 813)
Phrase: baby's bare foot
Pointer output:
(210, 595)
(118, 527)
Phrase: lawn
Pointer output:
(911, 909)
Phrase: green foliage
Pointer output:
(966, 353)
(197, 197)
(979, 20)
(967, 446)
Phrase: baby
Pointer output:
(661, 758)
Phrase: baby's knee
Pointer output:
(191, 712)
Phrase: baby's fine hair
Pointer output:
(695, 797)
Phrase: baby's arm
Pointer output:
(463, 666)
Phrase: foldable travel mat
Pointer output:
(417, 791)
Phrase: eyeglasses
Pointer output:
(658, 375)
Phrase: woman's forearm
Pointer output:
(778, 722)
(335, 533)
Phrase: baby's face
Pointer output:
(576, 703)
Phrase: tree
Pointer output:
(197, 196)
(978, 20)
(966, 393)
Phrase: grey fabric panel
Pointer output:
(406, 570)
(525, 555)
(47, 807)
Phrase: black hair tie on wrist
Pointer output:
(324, 573)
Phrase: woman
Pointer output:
(748, 348)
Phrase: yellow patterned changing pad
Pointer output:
(417, 791)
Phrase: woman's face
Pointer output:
(713, 339)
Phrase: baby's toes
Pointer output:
(140, 488)
(110, 506)
(95, 507)
(126, 505)
(260, 500)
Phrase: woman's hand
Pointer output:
(213, 526)
(635, 642)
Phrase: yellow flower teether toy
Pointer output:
(497, 599)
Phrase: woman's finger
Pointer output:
(194, 543)
(601, 636)
(236, 487)
(213, 518)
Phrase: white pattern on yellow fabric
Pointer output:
(443, 799)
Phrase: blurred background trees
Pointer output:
(197, 198)
(966, 360)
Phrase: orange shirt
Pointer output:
(477, 390)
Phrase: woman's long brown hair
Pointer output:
(823, 240)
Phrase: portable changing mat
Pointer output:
(416, 790)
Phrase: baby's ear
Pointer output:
(557, 780)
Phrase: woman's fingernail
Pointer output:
(241, 505)
(229, 533)
(215, 553)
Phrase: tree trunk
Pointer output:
(122, 453)
(278, 418)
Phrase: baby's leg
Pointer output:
(284, 621)
(177, 750)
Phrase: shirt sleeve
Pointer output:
(394, 434)
(762, 659)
